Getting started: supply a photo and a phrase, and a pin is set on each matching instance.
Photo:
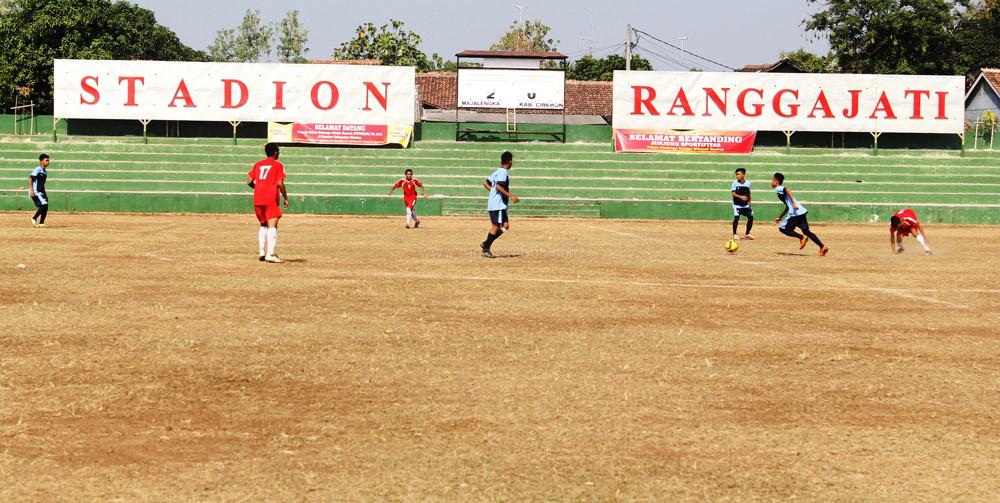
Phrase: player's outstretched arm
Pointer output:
(487, 185)
(284, 192)
(782, 215)
(503, 191)
(795, 202)
(31, 187)
(892, 241)
(392, 190)
(250, 182)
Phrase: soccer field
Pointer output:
(152, 357)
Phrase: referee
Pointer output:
(36, 189)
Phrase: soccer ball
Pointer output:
(732, 245)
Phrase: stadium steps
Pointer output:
(123, 174)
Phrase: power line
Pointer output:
(660, 57)
(684, 51)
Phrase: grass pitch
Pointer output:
(154, 358)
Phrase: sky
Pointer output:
(731, 32)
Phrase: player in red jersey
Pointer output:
(409, 185)
(267, 178)
(903, 223)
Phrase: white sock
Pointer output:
(920, 239)
(262, 238)
(409, 216)
(272, 240)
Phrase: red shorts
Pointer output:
(410, 202)
(267, 212)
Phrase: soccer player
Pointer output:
(796, 216)
(741, 203)
(903, 223)
(36, 190)
(499, 186)
(267, 178)
(409, 185)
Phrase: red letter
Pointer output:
(850, 113)
(182, 93)
(334, 95)
(279, 95)
(681, 101)
(379, 97)
(228, 93)
(916, 101)
(94, 93)
(648, 102)
(821, 104)
(883, 106)
(719, 102)
(131, 89)
(793, 109)
(741, 102)
(941, 105)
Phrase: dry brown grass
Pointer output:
(153, 358)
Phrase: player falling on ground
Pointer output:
(36, 190)
(903, 223)
(741, 203)
(267, 178)
(794, 216)
(499, 186)
(409, 185)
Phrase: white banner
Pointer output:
(788, 102)
(159, 90)
(532, 89)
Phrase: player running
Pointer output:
(267, 178)
(36, 190)
(409, 185)
(499, 186)
(741, 203)
(903, 223)
(796, 216)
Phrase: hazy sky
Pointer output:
(732, 32)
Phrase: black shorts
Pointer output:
(800, 221)
(498, 217)
(40, 199)
(745, 211)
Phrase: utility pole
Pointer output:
(683, 58)
(628, 47)
(520, 14)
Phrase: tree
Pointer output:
(35, 32)
(292, 39)
(391, 44)
(527, 36)
(249, 43)
(979, 37)
(892, 36)
(810, 62)
(591, 68)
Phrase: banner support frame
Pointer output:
(235, 124)
(875, 135)
(55, 124)
(788, 140)
(145, 125)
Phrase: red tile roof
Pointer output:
(437, 90)
(992, 75)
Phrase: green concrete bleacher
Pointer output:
(586, 180)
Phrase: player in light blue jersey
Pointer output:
(741, 203)
(499, 186)
(36, 190)
(794, 216)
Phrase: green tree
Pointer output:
(809, 62)
(891, 36)
(530, 36)
(36, 32)
(591, 68)
(979, 37)
(250, 43)
(390, 44)
(292, 39)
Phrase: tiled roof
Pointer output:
(511, 54)
(437, 90)
(780, 66)
(363, 62)
(993, 76)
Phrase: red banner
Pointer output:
(712, 142)
(340, 134)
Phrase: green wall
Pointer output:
(43, 125)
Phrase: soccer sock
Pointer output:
(262, 238)
(920, 239)
(272, 240)
(44, 210)
(490, 238)
(736, 224)
(38, 213)
(790, 232)
(814, 238)
(409, 215)
(414, 215)
(749, 225)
